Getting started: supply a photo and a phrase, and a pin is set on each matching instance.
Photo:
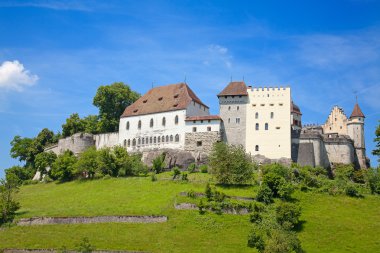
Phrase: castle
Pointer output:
(265, 121)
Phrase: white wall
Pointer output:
(106, 140)
(158, 130)
(275, 142)
(202, 126)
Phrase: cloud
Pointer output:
(13, 76)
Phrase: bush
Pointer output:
(256, 239)
(208, 192)
(352, 191)
(288, 214)
(373, 180)
(344, 172)
(158, 163)
(176, 172)
(87, 163)
(184, 177)
(19, 173)
(201, 207)
(107, 164)
(85, 246)
(63, 167)
(191, 194)
(192, 168)
(203, 168)
(8, 205)
(153, 177)
(264, 194)
(282, 241)
(230, 164)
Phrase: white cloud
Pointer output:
(14, 76)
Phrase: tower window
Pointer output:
(271, 115)
(163, 121)
(237, 120)
(256, 115)
(257, 126)
(209, 128)
(257, 148)
(229, 108)
(229, 120)
(199, 143)
(266, 126)
(194, 129)
(176, 138)
(237, 108)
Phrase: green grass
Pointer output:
(330, 224)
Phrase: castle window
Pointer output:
(151, 140)
(271, 104)
(237, 108)
(266, 126)
(176, 95)
(145, 101)
(262, 104)
(171, 138)
(143, 141)
(134, 142)
(158, 139)
(209, 128)
(147, 140)
(139, 141)
(225, 96)
(127, 126)
(340, 127)
(268, 95)
(256, 115)
(125, 143)
(139, 125)
(199, 143)
(160, 98)
(151, 122)
(204, 108)
(257, 148)
(176, 138)
(194, 121)
(163, 121)
(155, 139)
(163, 139)
(257, 126)
(194, 129)
(229, 120)
(129, 142)
(229, 108)
(278, 127)
(237, 120)
(335, 119)
(167, 138)
(280, 104)
(193, 103)
(200, 106)
(253, 104)
(201, 121)
(176, 120)
(209, 121)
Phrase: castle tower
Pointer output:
(355, 129)
(233, 101)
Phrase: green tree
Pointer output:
(107, 164)
(18, 173)
(44, 160)
(91, 124)
(112, 101)
(158, 163)
(87, 164)
(8, 205)
(376, 151)
(22, 149)
(74, 124)
(85, 246)
(230, 164)
(63, 167)
(288, 214)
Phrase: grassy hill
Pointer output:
(330, 223)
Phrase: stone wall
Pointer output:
(106, 140)
(76, 143)
(201, 143)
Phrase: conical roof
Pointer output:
(357, 112)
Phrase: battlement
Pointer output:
(266, 89)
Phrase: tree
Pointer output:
(158, 163)
(91, 124)
(74, 124)
(230, 164)
(112, 101)
(21, 149)
(18, 173)
(63, 167)
(376, 151)
(87, 163)
(107, 162)
(8, 206)
(44, 160)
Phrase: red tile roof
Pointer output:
(207, 117)
(357, 112)
(163, 99)
(234, 89)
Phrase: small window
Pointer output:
(257, 148)
(160, 98)
(176, 96)
(199, 143)
(163, 121)
(254, 105)
(237, 120)
(262, 104)
(194, 121)
(151, 122)
(225, 96)
(237, 108)
(176, 120)
(280, 104)
(145, 101)
(256, 115)
(271, 104)
(167, 138)
(143, 141)
(127, 126)
(139, 125)
(335, 119)
(268, 95)
(209, 128)
(154, 139)
(209, 121)
(257, 126)
(266, 126)
(129, 143)
(147, 140)
(175, 105)
(271, 115)
(194, 129)
(201, 121)
(171, 138)
(139, 141)
(278, 127)
(136, 110)
(176, 138)
(158, 139)
(151, 140)
(193, 103)
(125, 143)
(163, 139)
(134, 142)
(229, 120)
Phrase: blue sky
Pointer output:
(54, 55)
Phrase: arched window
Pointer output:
(147, 140)
(257, 126)
(163, 121)
(134, 142)
(163, 138)
(151, 140)
(176, 120)
(176, 138)
(154, 139)
(229, 108)
(151, 122)
(139, 141)
(143, 141)
(271, 115)
(158, 139)
(256, 115)
(139, 125)
(171, 138)
(266, 126)
(127, 126)
(237, 108)
(129, 142)
(167, 138)
(257, 148)
(125, 143)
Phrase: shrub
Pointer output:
(184, 176)
(264, 194)
(43, 161)
(47, 179)
(87, 163)
(8, 205)
(85, 246)
(203, 168)
(176, 172)
(201, 207)
(158, 163)
(63, 167)
(344, 172)
(230, 164)
(256, 239)
(282, 241)
(192, 167)
(107, 164)
(285, 190)
(19, 173)
(352, 191)
(208, 191)
(287, 214)
(153, 177)
(218, 196)
(373, 180)
(191, 194)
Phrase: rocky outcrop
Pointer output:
(173, 157)
(260, 159)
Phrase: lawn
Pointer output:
(330, 223)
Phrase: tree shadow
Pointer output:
(300, 226)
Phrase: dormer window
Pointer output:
(146, 100)
(160, 98)
(175, 105)
(136, 110)
(176, 95)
